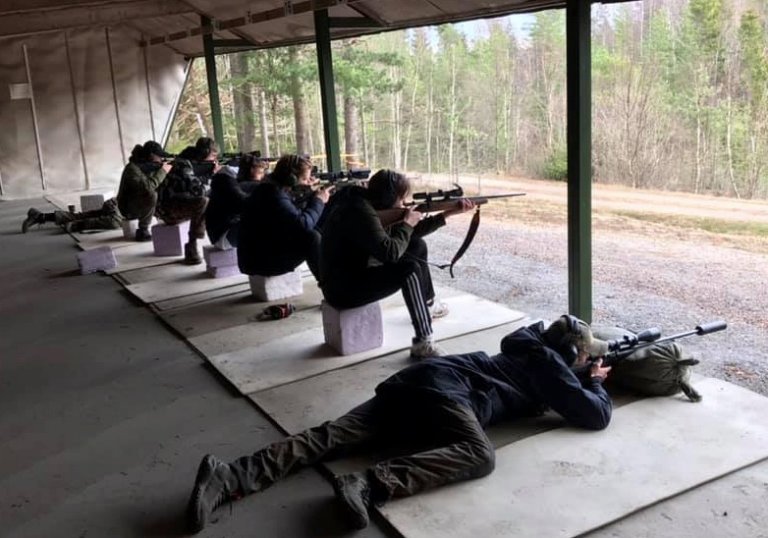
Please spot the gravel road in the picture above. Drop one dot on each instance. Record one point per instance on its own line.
(645, 275)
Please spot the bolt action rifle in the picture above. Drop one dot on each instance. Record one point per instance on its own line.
(438, 201)
(622, 348)
(649, 365)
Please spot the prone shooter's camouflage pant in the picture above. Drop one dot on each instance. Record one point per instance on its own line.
(106, 218)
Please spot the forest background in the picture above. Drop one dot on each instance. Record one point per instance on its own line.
(680, 98)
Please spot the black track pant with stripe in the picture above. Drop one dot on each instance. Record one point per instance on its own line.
(378, 282)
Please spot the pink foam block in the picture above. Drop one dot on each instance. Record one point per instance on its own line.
(215, 257)
(224, 271)
(96, 259)
(170, 240)
(91, 202)
(353, 330)
(274, 288)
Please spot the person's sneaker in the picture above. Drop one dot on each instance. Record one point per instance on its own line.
(422, 348)
(438, 309)
(354, 494)
(142, 234)
(191, 255)
(215, 484)
(33, 217)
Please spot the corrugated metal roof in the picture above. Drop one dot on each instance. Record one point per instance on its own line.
(262, 23)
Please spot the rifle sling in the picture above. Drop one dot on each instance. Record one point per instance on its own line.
(471, 232)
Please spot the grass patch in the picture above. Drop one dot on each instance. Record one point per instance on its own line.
(718, 226)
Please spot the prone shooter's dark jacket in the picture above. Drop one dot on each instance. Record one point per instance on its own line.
(274, 233)
(523, 380)
(226, 203)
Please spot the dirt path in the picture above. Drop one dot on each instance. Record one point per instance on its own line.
(616, 197)
(645, 274)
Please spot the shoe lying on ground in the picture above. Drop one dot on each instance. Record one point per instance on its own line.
(354, 495)
(215, 484)
(438, 309)
(33, 217)
(143, 235)
(191, 255)
(426, 347)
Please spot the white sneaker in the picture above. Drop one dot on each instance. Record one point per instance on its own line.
(438, 309)
(424, 348)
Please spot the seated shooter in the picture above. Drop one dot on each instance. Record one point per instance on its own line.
(440, 406)
(227, 200)
(275, 235)
(142, 176)
(353, 235)
(183, 195)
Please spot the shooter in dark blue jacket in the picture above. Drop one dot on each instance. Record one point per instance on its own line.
(440, 405)
(276, 236)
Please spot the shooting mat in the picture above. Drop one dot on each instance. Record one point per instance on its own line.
(264, 355)
(566, 482)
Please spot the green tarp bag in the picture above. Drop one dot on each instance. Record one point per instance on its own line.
(655, 370)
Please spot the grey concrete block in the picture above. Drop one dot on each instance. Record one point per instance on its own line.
(353, 330)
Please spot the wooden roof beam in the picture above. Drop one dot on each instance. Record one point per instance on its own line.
(289, 9)
(101, 15)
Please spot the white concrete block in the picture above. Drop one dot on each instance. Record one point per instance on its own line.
(353, 330)
(96, 259)
(91, 202)
(169, 240)
(273, 288)
(215, 257)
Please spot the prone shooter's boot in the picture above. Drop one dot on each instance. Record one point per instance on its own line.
(215, 484)
(34, 216)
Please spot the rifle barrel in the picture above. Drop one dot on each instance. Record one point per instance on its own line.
(494, 196)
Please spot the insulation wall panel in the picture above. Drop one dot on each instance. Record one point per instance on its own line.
(96, 95)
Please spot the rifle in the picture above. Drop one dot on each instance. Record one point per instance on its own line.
(233, 159)
(620, 349)
(430, 202)
(433, 202)
(345, 175)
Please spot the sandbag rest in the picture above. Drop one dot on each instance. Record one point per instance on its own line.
(353, 330)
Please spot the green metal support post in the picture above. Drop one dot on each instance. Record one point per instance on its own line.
(327, 90)
(579, 73)
(213, 83)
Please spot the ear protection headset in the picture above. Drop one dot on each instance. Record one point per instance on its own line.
(293, 162)
(389, 196)
(568, 343)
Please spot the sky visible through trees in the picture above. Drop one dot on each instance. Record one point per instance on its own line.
(680, 97)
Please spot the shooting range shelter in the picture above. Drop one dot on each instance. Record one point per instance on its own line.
(88, 79)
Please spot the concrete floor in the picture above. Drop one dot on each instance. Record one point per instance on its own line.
(105, 414)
